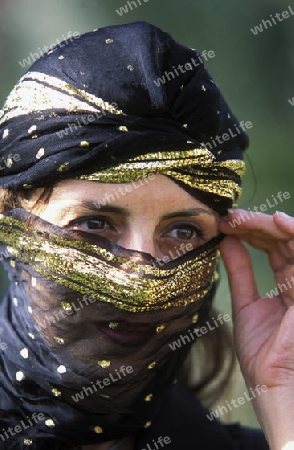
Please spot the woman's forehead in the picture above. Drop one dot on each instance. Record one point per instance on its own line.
(160, 191)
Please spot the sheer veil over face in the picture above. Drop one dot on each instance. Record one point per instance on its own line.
(123, 257)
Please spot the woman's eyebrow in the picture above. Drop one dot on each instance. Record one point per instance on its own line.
(93, 206)
(188, 213)
(96, 206)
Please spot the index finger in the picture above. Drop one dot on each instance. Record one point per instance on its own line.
(241, 278)
(240, 221)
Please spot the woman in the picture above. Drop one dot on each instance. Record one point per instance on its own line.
(113, 212)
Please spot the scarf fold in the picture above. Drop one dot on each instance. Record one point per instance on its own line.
(129, 280)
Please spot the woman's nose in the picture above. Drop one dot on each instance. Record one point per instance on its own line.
(139, 240)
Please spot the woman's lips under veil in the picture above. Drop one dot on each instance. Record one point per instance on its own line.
(129, 334)
(135, 331)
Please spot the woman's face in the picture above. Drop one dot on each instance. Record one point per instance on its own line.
(153, 215)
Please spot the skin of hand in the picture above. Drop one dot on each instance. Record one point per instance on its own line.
(263, 326)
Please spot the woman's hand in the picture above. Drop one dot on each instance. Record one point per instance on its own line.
(263, 326)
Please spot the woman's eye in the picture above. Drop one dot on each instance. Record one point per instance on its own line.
(92, 224)
(187, 233)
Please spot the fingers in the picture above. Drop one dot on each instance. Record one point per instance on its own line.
(285, 284)
(240, 221)
(271, 234)
(284, 222)
(240, 273)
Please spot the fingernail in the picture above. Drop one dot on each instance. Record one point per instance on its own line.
(283, 215)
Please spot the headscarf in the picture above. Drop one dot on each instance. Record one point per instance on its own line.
(92, 110)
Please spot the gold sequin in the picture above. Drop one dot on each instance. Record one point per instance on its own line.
(61, 369)
(185, 125)
(61, 57)
(98, 430)
(130, 67)
(113, 325)
(56, 392)
(148, 398)
(84, 144)
(27, 186)
(203, 88)
(24, 353)
(19, 375)
(104, 363)
(30, 309)
(31, 335)
(33, 281)
(123, 128)
(15, 301)
(216, 274)
(40, 153)
(59, 340)
(66, 306)
(104, 396)
(9, 162)
(12, 263)
(27, 441)
(63, 167)
(153, 364)
(33, 128)
(49, 423)
(147, 424)
(5, 133)
(195, 318)
(109, 41)
(160, 328)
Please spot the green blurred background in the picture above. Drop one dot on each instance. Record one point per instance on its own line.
(255, 73)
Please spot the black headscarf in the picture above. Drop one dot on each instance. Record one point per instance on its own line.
(87, 108)
(94, 103)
